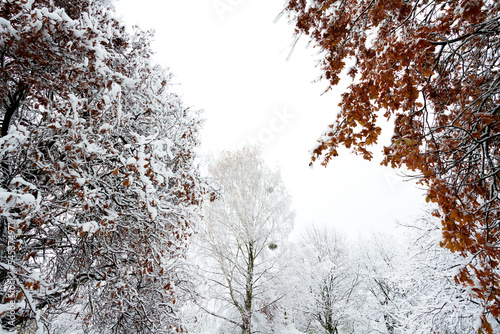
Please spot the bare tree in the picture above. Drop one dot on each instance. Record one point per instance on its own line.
(327, 282)
(241, 240)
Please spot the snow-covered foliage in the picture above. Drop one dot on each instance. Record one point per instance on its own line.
(325, 280)
(434, 301)
(379, 284)
(240, 246)
(98, 190)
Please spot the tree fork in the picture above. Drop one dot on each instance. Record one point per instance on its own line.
(12, 106)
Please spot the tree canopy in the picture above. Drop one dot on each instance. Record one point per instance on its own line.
(432, 67)
(99, 192)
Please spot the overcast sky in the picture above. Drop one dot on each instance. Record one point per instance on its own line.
(230, 59)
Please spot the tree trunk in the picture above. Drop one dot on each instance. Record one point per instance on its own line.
(247, 319)
(246, 328)
(11, 107)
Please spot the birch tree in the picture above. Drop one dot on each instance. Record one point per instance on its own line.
(241, 242)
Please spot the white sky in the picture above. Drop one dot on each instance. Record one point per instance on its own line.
(230, 60)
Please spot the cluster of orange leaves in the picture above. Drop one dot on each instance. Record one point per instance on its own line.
(432, 67)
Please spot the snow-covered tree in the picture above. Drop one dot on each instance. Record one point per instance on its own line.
(381, 259)
(409, 285)
(325, 282)
(434, 301)
(241, 242)
(98, 188)
(379, 284)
